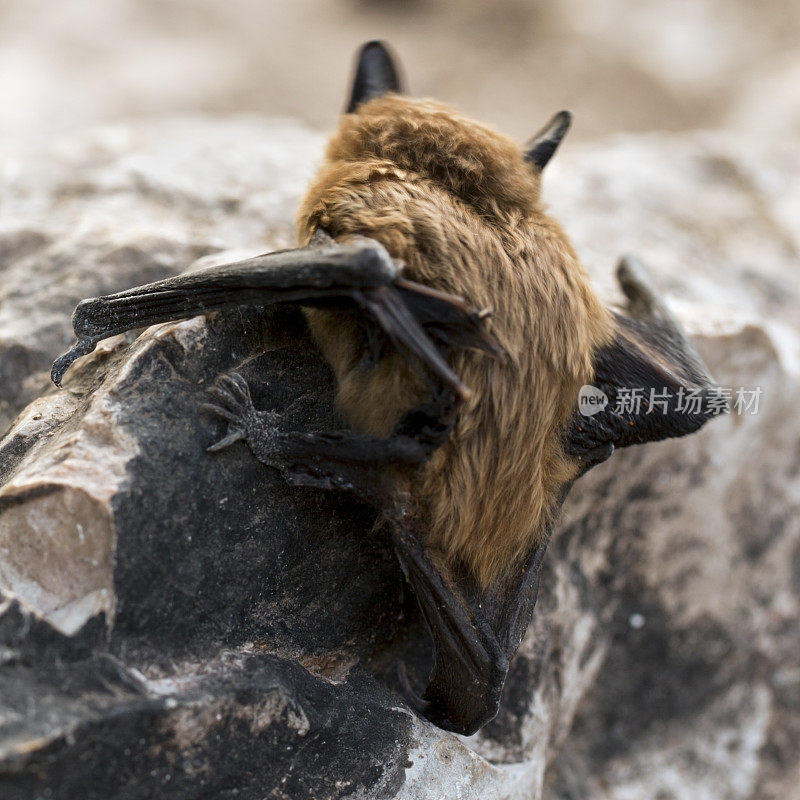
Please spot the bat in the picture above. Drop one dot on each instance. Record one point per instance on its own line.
(462, 330)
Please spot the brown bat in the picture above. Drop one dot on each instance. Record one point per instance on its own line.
(464, 429)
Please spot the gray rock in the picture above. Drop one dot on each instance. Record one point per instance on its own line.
(178, 624)
(699, 692)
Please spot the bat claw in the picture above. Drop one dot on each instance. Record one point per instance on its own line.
(81, 348)
(231, 393)
(235, 386)
(237, 380)
(234, 435)
(220, 411)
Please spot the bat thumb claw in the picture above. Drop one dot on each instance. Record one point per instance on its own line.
(62, 363)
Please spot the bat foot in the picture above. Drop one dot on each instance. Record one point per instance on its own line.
(332, 460)
(229, 398)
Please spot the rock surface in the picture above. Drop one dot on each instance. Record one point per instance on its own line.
(178, 624)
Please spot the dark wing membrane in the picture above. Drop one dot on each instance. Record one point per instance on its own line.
(649, 397)
(656, 383)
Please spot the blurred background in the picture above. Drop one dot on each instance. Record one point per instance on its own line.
(621, 66)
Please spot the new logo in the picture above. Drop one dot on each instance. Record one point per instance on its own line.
(591, 400)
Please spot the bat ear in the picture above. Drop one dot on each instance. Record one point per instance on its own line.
(541, 146)
(649, 382)
(376, 75)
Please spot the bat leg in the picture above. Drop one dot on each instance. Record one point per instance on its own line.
(340, 460)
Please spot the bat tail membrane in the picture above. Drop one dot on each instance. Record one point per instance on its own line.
(357, 275)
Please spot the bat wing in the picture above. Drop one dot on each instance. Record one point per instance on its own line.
(358, 275)
(475, 634)
(656, 384)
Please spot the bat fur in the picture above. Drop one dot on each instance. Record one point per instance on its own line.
(456, 202)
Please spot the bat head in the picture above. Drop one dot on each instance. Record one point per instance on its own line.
(432, 141)
(390, 149)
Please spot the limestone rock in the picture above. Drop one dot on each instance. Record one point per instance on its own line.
(180, 624)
